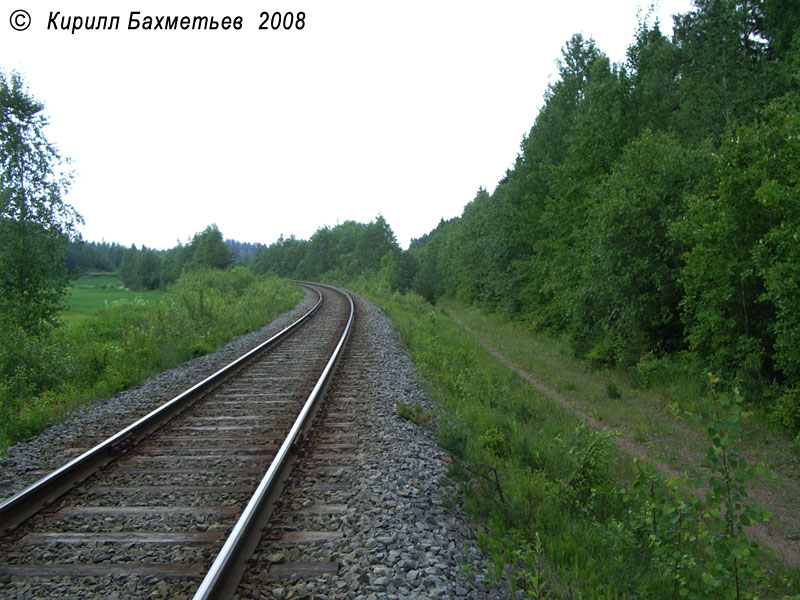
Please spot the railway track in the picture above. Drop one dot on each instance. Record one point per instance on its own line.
(179, 505)
(365, 514)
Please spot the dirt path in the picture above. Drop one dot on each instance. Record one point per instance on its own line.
(789, 550)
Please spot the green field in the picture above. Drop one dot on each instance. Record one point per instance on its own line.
(94, 291)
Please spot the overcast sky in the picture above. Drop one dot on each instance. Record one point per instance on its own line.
(402, 109)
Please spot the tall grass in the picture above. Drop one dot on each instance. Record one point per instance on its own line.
(561, 512)
(126, 341)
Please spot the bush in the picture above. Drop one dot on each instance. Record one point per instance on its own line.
(787, 408)
(29, 363)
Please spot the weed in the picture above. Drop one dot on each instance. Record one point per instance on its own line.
(495, 442)
(612, 390)
(697, 544)
(468, 572)
(589, 453)
(415, 413)
(528, 558)
(732, 557)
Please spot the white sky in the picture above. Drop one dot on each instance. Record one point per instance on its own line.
(396, 108)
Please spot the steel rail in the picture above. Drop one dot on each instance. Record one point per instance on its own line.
(26, 503)
(226, 572)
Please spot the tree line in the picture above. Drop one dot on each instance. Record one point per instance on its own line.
(149, 269)
(654, 206)
(344, 252)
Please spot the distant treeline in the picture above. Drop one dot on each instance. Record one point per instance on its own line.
(654, 206)
(343, 253)
(147, 269)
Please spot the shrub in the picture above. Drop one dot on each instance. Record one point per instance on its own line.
(612, 390)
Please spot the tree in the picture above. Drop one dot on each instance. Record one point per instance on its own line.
(653, 68)
(281, 258)
(398, 269)
(724, 75)
(741, 275)
(433, 254)
(35, 222)
(318, 258)
(555, 190)
(631, 290)
(209, 251)
(482, 256)
(376, 239)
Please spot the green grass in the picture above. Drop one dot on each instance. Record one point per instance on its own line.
(645, 405)
(98, 279)
(559, 509)
(83, 301)
(95, 291)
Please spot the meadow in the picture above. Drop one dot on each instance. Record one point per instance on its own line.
(96, 290)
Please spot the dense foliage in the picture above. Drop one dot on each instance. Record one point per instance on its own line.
(147, 269)
(83, 256)
(346, 251)
(653, 206)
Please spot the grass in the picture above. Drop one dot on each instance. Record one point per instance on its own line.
(104, 348)
(94, 291)
(98, 279)
(561, 511)
(646, 405)
(414, 413)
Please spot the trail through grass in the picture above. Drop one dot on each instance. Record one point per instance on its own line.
(648, 421)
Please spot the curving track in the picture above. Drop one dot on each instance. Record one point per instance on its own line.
(165, 507)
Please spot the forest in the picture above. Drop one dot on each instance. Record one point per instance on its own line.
(653, 209)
